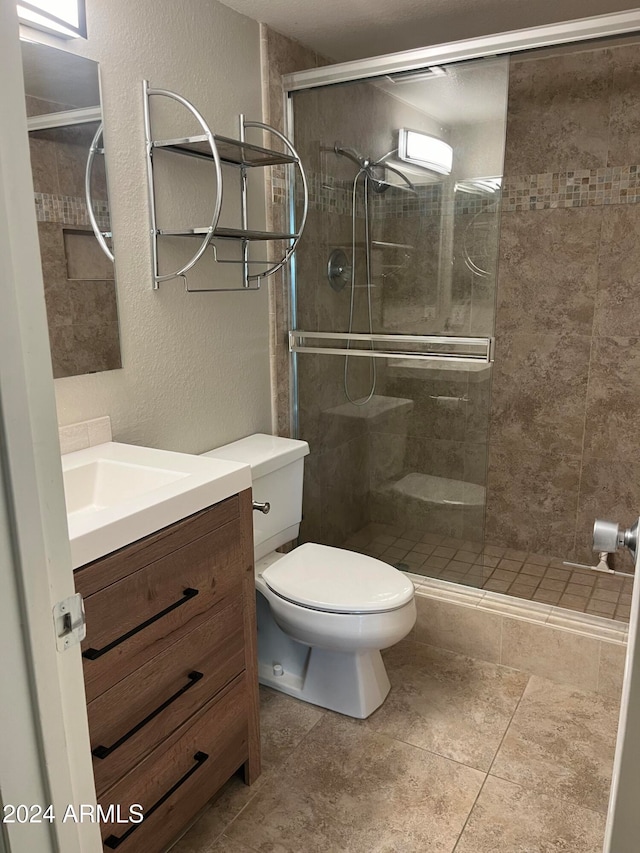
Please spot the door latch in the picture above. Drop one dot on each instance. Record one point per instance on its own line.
(69, 622)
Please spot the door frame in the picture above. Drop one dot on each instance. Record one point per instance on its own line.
(45, 756)
(44, 740)
(549, 35)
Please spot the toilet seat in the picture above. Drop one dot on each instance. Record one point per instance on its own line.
(333, 580)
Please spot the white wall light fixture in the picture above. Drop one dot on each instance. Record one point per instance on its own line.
(424, 150)
(62, 18)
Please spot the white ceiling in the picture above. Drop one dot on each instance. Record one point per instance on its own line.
(355, 29)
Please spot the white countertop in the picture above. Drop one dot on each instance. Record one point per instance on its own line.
(119, 493)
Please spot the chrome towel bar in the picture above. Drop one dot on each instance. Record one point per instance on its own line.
(433, 347)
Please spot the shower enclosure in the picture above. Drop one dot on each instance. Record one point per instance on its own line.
(393, 305)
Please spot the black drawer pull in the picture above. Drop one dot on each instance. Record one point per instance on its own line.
(104, 751)
(93, 654)
(114, 841)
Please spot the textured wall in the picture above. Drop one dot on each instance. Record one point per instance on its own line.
(564, 427)
(195, 366)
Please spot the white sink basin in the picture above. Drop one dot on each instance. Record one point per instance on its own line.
(118, 493)
(104, 482)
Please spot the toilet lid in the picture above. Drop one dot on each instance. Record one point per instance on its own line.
(325, 578)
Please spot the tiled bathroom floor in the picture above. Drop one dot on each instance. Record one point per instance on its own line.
(529, 576)
(464, 757)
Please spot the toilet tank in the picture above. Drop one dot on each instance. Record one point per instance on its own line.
(277, 469)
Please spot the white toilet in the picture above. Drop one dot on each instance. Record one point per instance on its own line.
(324, 613)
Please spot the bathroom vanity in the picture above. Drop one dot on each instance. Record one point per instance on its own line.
(170, 671)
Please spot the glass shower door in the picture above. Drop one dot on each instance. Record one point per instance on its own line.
(394, 295)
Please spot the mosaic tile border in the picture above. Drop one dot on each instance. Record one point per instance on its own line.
(70, 210)
(329, 195)
(577, 188)
(544, 191)
(464, 204)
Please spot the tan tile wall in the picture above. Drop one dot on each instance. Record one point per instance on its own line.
(564, 426)
(336, 478)
(82, 313)
(337, 472)
(569, 648)
(279, 55)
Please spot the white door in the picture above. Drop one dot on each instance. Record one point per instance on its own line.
(44, 742)
(623, 820)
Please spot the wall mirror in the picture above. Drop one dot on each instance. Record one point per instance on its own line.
(64, 116)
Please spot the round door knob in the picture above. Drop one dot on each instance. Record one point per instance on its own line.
(606, 536)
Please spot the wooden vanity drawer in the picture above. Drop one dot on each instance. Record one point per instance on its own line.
(176, 780)
(129, 720)
(93, 577)
(136, 618)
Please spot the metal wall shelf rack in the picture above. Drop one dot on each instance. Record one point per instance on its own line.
(222, 151)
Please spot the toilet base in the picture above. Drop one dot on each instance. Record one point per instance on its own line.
(354, 683)
(351, 681)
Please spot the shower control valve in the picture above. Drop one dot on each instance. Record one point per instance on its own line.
(607, 536)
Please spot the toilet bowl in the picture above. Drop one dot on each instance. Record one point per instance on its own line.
(324, 614)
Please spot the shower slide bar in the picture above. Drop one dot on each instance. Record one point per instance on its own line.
(431, 347)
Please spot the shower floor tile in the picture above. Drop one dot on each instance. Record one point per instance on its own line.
(534, 577)
(465, 756)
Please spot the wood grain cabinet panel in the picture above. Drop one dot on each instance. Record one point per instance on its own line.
(171, 672)
(134, 619)
(190, 766)
(130, 719)
(119, 564)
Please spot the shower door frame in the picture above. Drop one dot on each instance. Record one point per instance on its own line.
(622, 821)
(499, 44)
(550, 35)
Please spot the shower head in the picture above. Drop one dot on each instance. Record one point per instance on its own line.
(375, 171)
